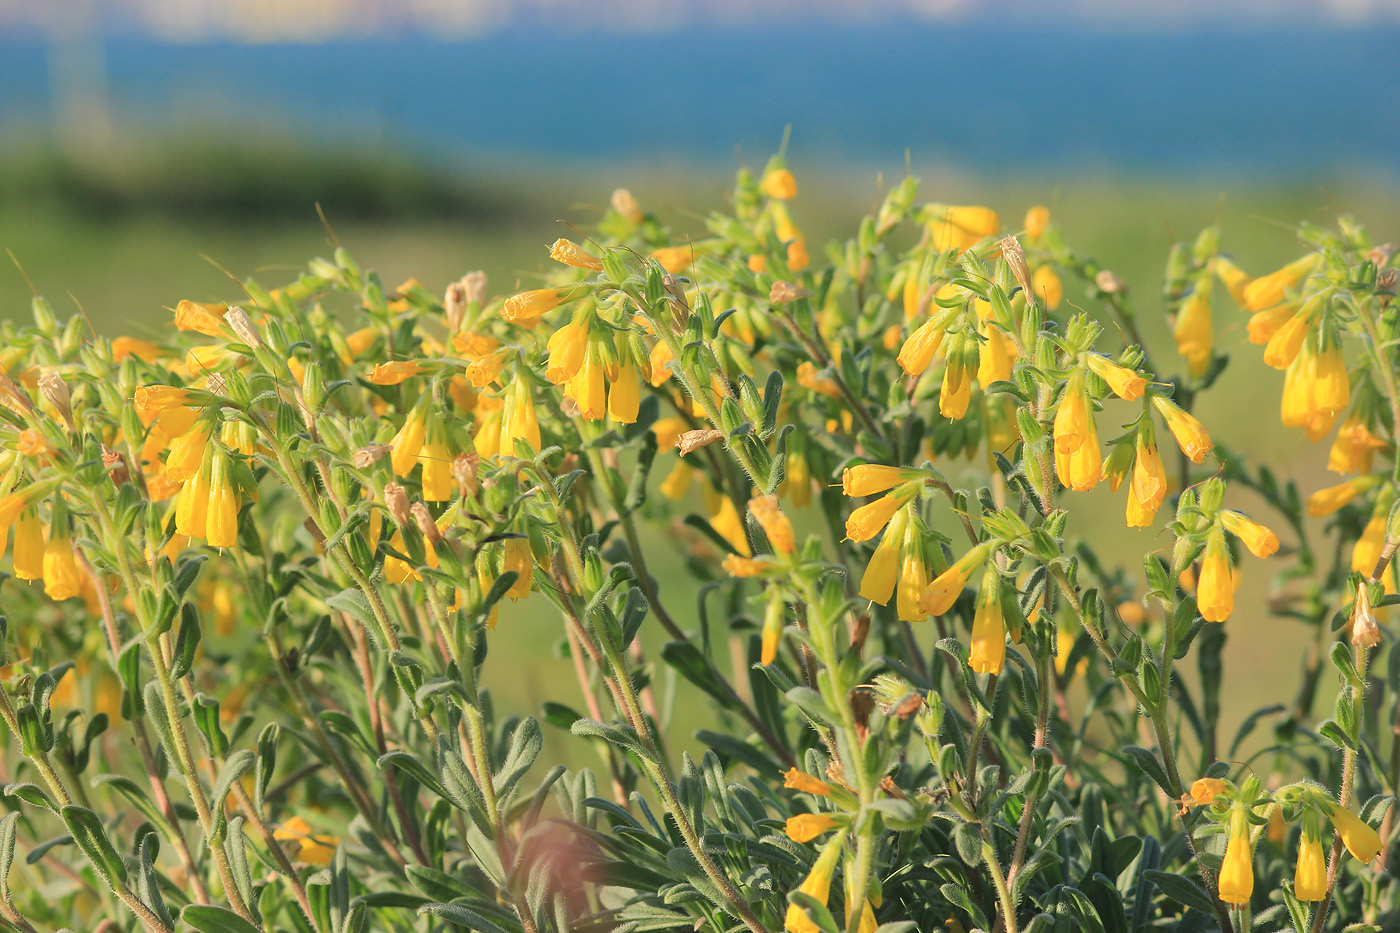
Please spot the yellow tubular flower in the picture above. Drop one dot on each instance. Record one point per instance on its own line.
(772, 634)
(817, 885)
(776, 527)
(145, 350)
(987, 653)
(192, 508)
(1047, 287)
(1149, 484)
(1268, 290)
(486, 369)
(1363, 842)
(571, 254)
(1195, 330)
(625, 394)
(921, 346)
(61, 577)
(1326, 501)
(518, 558)
(1205, 790)
(913, 580)
(161, 398)
(207, 319)
(1261, 541)
(186, 454)
(994, 360)
(1235, 278)
(866, 521)
(940, 595)
(1283, 347)
(393, 372)
(1125, 383)
(531, 305)
(1310, 876)
(1215, 594)
(568, 347)
(957, 382)
(1237, 870)
(519, 421)
(797, 257)
(587, 387)
(310, 848)
(1037, 219)
(29, 546)
(1368, 548)
(221, 518)
(1080, 469)
(1190, 434)
(1332, 389)
(677, 482)
(1264, 325)
(1296, 401)
(780, 184)
(1072, 417)
(962, 227)
(746, 567)
(881, 575)
(724, 518)
(436, 459)
(408, 442)
(1355, 447)
(868, 479)
(794, 779)
(807, 826)
(675, 259)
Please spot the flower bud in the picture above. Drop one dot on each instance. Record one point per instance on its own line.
(423, 518)
(243, 326)
(370, 454)
(1015, 255)
(1364, 631)
(694, 440)
(464, 471)
(396, 501)
(55, 391)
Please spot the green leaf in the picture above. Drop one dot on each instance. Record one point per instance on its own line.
(464, 916)
(1181, 889)
(91, 837)
(7, 851)
(208, 918)
(1149, 765)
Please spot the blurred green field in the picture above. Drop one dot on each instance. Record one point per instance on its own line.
(125, 238)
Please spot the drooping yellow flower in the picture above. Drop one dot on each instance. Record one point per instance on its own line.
(1080, 468)
(207, 319)
(881, 575)
(776, 527)
(1326, 501)
(1310, 875)
(1195, 329)
(186, 454)
(1072, 417)
(807, 826)
(810, 377)
(1286, 342)
(145, 350)
(1205, 790)
(1236, 279)
(1047, 286)
(408, 442)
(724, 519)
(1331, 388)
(29, 545)
(516, 556)
(393, 372)
(161, 398)
(571, 254)
(987, 652)
(192, 508)
(677, 482)
(1190, 434)
(1363, 842)
(913, 580)
(61, 577)
(1149, 483)
(1366, 553)
(221, 520)
(780, 184)
(1037, 219)
(1124, 382)
(1261, 541)
(1237, 870)
(674, 259)
(794, 779)
(817, 885)
(1296, 401)
(309, 847)
(1264, 325)
(1215, 593)
(869, 479)
(588, 388)
(865, 522)
(519, 421)
(1355, 447)
(961, 227)
(1268, 290)
(940, 595)
(961, 366)
(435, 456)
(531, 305)
(921, 346)
(747, 567)
(625, 393)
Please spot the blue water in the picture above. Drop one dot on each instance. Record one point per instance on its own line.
(983, 96)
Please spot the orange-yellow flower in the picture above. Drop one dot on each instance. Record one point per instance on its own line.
(1215, 593)
(940, 595)
(674, 258)
(1326, 501)
(921, 346)
(1310, 874)
(1264, 325)
(1237, 870)
(161, 398)
(1125, 383)
(61, 577)
(1205, 790)
(737, 566)
(1261, 541)
(310, 848)
(866, 521)
(1190, 434)
(29, 546)
(1268, 290)
(1047, 286)
(817, 885)
(571, 254)
(1195, 330)
(962, 227)
(1037, 219)
(780, 184)
(145, 350)
(1363, 842)
(393, 372)
(207, 319)
(1235, 278)
(987, 652)
(528, 306)
(882, 573)
(776, 527)
(794, 779)
(807, 826)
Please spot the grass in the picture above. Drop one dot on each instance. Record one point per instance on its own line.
(131, 237)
